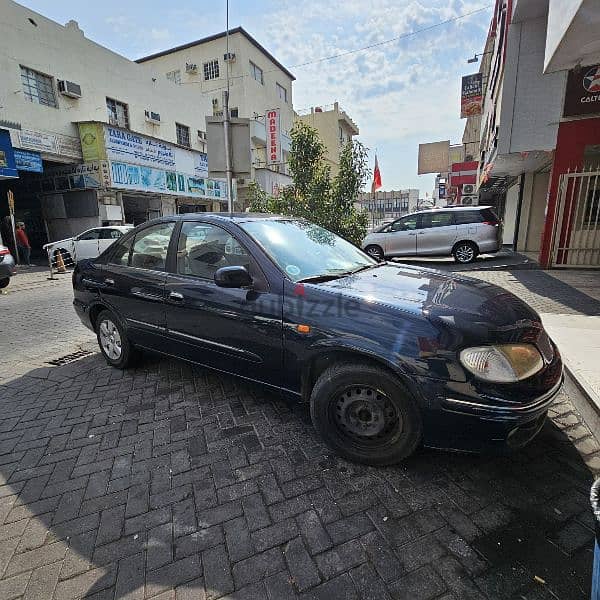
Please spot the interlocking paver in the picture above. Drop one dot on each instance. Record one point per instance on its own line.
(172, 482)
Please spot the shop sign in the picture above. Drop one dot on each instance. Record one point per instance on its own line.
(133, 148)
(201, 163)
(92, 175)
(46, 142)
(92, 141)
(150, 179)
(28, 161)
(273, 137)
(7, 156)
(582, 96)
(471, 96)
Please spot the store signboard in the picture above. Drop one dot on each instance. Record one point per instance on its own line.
(471, 96)
(92, 175)
(28, 161)
(133, 148)
(46, 142)
(8, 167)
(582, 96)
(273, 136)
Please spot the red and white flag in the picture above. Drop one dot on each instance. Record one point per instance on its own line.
(376, 177)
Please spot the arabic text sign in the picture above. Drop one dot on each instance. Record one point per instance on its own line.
(137, 149)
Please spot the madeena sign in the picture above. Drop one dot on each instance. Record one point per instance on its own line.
(273, 136)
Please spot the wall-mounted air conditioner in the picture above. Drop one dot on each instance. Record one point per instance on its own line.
(191, 68)
(468, 189)
(201, 135)
(152, 117)
(68, 88)
(229, 57)
(470, 200)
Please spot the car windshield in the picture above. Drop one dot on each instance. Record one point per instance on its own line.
(306, 251)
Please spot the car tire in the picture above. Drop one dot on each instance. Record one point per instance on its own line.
(365, 414)
(113, 341)
(465, 252)
(376, 252)
(4, 282)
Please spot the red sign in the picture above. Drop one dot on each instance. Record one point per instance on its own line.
(273, 137)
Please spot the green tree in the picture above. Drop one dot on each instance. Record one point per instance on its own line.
(313, 194)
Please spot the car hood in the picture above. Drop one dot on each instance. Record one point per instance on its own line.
(71, 239)
(437, 296)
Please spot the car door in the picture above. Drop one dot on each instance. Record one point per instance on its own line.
(133, 283)
(107, 237)
(86, 244)
(401, 240)
(436, 234)
(232, 329)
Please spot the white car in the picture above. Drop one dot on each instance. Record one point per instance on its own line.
(89, 244)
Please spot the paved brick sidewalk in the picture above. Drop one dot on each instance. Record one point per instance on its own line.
(176, 483)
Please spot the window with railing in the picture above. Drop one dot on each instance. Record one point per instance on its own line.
(183, 134)
(118, 113)
(211, 69)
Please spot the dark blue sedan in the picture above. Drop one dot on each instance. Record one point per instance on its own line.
(389, 356)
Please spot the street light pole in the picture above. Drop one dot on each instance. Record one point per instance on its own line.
(227, 123)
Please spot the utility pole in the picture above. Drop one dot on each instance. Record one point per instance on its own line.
(226, 122)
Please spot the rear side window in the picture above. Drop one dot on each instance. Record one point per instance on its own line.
(150, 247)
(463, 217)
(436, 219)
(110, 234)
(489, 215)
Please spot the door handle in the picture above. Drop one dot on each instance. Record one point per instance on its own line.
(420, 233)
(176, 298)
(412, 234)
(109, 281)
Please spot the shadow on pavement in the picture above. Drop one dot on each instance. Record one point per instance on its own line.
(172, 477)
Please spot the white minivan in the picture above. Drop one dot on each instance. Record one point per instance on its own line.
(462, 232)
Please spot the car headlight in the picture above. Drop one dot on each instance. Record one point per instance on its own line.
(502, 363)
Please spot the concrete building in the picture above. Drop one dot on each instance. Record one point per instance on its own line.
(335, 127)
(540, 129)
(387, 206)
(143, 151)
(258, 83)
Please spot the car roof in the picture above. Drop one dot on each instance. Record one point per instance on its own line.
(235, 217)
(445, 209)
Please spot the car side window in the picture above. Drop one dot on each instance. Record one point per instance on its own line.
(436, 219)
(92, 234)
(465, 217)
(404, 224)
(150, 247)
(203, 248)
(110, 234)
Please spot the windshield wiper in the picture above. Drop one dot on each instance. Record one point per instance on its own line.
(339, 274)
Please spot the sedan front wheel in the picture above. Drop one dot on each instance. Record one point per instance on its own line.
(365, 414)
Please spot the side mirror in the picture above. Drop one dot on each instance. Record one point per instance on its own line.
(233, 277)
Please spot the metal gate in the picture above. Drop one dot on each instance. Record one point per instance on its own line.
(576, 231)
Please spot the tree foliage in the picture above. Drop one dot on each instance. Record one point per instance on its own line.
(314, 194)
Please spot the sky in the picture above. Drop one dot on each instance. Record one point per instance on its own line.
(400, 94)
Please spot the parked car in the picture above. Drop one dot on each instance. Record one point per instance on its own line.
(88, 244)
(7, 266)
(463, 233)
(388, 355)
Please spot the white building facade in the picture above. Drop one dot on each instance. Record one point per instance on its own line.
(93, 138)
(258, 82)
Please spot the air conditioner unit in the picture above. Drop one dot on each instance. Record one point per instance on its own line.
(152, 117)
(470, 200)
(229, 57)
(191, 68)
(201, 134)
(468, 189)
(70, 89)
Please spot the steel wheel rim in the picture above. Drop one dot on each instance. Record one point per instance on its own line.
(110, 339)
(366, 417)
(465, 253)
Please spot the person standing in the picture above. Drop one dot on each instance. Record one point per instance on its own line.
(23, 245)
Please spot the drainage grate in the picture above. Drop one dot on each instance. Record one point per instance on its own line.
(69, 358)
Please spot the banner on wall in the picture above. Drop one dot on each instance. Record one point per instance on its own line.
(8, 168)
(471, 96)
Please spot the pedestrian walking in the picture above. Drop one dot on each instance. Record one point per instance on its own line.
(23, 245)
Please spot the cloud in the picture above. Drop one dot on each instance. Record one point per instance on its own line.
(398, 93)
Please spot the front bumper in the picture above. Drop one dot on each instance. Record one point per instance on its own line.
(8, 267)
(456, 423)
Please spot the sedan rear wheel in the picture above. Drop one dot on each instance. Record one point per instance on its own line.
(113, 341)
(4, 282)
(365, 414)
